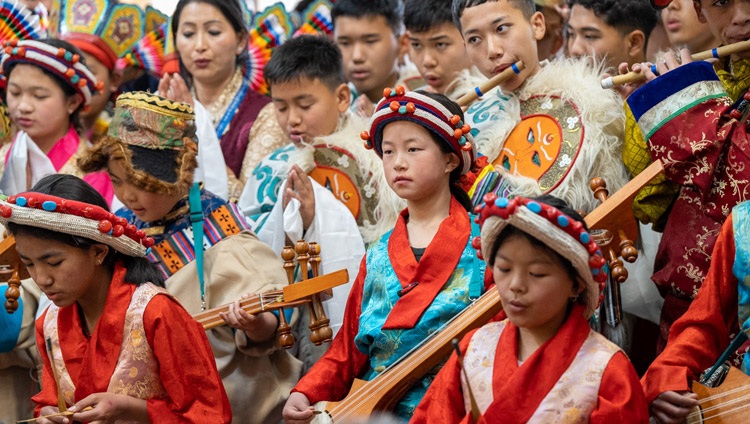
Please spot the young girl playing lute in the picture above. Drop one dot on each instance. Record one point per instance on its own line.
(98, 340)
(542, 364)
(417, 276)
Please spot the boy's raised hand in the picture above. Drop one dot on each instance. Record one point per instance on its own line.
(299, 187)
(673, 407)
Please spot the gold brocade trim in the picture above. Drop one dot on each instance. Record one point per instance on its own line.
(141, 100)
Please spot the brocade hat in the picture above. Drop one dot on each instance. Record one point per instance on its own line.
(554, 229)
(75, 218)
(399, 105)
(153, 138)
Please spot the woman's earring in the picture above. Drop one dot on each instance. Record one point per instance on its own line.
(574, 298)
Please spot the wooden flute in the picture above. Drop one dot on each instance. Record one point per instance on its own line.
(715, 53)
(491, 83)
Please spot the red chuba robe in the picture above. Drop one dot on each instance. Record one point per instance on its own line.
(521, 393)
(185, 364)
(685, 115)
(701, 335)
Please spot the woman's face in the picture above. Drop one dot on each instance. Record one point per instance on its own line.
(38, 106)
(66, 274)
(207, 43)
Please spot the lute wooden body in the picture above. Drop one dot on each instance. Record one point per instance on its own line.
(729, 403)
(382, 393)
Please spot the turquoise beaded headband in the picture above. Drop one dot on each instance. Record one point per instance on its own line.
(549, 225)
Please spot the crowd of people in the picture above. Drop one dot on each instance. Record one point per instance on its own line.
(155, 167)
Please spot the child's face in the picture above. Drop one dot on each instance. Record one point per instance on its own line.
(307, 108)
(589, 35)
(728, 20)
(414, 165)
(147, 206)
(370, 52)
(534, 286)
(497, 35)
(38, 106)
(63, 272)
(110, 83)
(439, 54)
(683, 27)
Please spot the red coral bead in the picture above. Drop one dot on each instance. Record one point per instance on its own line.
(105, 226)
(118, 230)
(400, 90)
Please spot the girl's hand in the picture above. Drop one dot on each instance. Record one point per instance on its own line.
(49, 410)
(258, 328)
(108, 408)
(299, 187)
(673, 407)
(297, 409)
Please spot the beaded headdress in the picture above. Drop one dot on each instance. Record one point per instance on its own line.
(153, 138)
(64, 64)
(75, 218)
(554, 229)
(399, 105)
(102, 28)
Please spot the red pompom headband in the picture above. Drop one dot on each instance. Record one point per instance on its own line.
(66, 65)
(556, 230)
(399, 105)
(75, 218)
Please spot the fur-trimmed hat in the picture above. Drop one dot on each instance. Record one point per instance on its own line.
(154, 140)
(399, 105)
(554, 229)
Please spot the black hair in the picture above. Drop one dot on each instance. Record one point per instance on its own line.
(623, 15)
(306, 56)
(138, 270)
(64, 85)
(391, 10)
(510, 231)
(455, 177)
(232, 11)
(527, 7)
(424, 15)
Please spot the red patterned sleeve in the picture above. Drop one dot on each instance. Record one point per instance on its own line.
(331, 378)
(698, 338)
(187, 367)
(444, 399)
(621, 398)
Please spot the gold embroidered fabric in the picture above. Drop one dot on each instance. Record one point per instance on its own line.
(136, 373)
(651, 203)
(735, 76)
